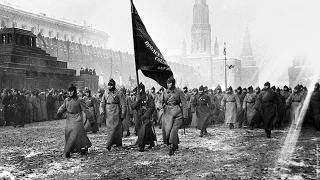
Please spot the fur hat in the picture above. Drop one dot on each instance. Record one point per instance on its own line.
(111, 82)
(267, 84)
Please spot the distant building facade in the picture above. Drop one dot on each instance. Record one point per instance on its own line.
(11, 16)
(303, 72)
(210, 68)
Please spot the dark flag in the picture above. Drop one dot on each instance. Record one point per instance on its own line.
(148, 57)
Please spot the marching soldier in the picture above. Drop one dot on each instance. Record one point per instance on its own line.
(230, 103)
(269, 101)
(248, 106)
(241, 114)
(129, 114)
(145, 107)
(203, 110)
(295, 102)
(113, 106)
(75, 136)
(173, 114)
(286, 110)
(18, 109)
(315, 106)
(154, 114)
(93, 108)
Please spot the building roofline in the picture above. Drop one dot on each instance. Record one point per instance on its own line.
(40, 16)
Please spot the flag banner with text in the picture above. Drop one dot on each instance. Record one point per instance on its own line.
(148, 57)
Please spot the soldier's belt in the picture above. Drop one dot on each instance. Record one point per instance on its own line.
(171, 104)
(72, 112)
(268, 101)
(112, 103)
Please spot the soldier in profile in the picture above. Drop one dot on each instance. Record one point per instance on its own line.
(75, 136)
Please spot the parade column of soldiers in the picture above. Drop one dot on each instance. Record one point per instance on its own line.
(170, 108)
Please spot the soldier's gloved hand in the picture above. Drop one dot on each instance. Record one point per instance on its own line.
(59, 115)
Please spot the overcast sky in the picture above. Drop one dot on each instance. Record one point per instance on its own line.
(279, 29)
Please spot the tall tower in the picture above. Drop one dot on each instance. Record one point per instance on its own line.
(201, 29)
(216, 48)
(246, 57)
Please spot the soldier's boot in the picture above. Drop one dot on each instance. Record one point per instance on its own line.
(151, 145)
(84, 151)
(231, 126)
(171, 151)
(68, 155)
(175, 147)
(109, 147)
(141, 148)
(268, 133)
(205, 132)
(201, 133)
(251, 126)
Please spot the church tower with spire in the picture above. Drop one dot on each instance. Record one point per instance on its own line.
(249, 69)
(201, 29)
(246, 57)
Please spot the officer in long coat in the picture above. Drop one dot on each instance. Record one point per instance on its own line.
(18, 109)
(248, 106)
(76, 139)
(230, 103)
(203, 110)
(145, 107)
(240, 111)
(93, 108)
(175, 108)
(269, 101)
(315, 106)
(8, 109)
(113, 106)
(129, 114)
(295, 102)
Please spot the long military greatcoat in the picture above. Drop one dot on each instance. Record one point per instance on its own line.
(315, 107)
(269, 101)
(172, 115)
(75, 136)
(248, 106)
(231, 103)
(93, 107)
(114, 107)
(145, 111)
(295, 101)
(203, 110)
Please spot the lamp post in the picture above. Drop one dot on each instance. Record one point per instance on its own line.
(225, 64)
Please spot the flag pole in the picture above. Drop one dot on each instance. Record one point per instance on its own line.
(136, 57)
(135, 48)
